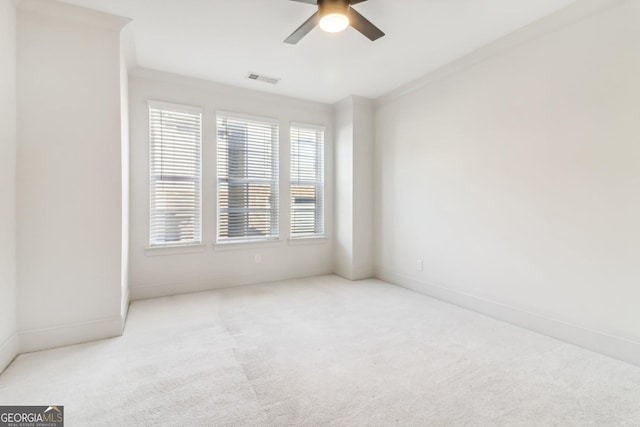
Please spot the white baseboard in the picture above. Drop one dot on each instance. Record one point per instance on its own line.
(155, 290)
(75, 333)
(9, 349)
(600, 342)
(126, 301)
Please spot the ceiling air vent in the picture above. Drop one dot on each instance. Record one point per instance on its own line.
(263, 78)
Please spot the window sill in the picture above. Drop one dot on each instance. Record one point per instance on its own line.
(247, 244)
(310, 240)
(175, 250)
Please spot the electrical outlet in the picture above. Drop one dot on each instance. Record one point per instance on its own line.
(419, 265)
(258, 258)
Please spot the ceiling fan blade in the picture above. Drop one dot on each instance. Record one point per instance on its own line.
(312, 1)
(304, 29)
(363, 25)
(353, 1)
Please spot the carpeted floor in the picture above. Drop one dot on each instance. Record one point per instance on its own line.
(323, 352)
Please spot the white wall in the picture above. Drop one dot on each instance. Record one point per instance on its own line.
(170, 271)
(517, 181)
(354, 188)
(8, 339)
(344, 188)
(124, 137)
(69, 175)
(363, 142)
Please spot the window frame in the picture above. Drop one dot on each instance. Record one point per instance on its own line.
(321, 182)
(188, 109)
(249, 241)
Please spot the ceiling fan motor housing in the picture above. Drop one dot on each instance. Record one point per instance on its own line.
(327, 7)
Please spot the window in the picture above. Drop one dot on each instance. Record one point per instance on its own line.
(307, 181)
(174, 166)
(247, 179)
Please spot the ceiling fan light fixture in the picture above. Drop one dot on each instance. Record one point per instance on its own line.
(334, 22)
(333, 16)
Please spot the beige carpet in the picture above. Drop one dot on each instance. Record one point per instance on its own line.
(323, 352)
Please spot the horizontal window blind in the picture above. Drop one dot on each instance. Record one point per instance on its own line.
(307, 181)
(175, 134)
(247, 179)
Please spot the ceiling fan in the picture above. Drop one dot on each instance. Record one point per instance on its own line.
(334, 16)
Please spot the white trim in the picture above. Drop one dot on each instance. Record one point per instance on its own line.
(563, 18)
(163, 105)
(362, 101)
(600, 342)
(126, 302)
(74, 13)
(249, 95)
(248, 117)
(162, 289)
(9, 349)
(308, 240)
(70, 334)
(246, 244)
(175, 250)
(305, 125)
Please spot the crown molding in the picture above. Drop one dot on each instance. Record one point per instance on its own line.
(60, 10)
(238, 91)
(570, 15)
(362, 101)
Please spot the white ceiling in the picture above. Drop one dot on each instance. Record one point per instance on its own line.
(224, 40)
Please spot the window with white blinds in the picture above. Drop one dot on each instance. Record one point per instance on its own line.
(175, 135)
(247, 179)
(307, 181)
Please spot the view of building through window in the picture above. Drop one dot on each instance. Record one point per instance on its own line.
(247, 179)
(307, 181)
